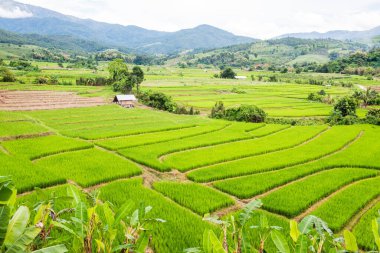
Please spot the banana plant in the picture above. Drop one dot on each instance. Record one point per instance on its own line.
(312, 234)
(18, 230)
(234, 237)
(101, 227)
(376, 230)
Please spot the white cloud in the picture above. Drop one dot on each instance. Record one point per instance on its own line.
(256, 18)
(14, 13)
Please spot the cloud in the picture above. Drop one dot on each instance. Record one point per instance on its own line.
(255, 18)
(14, 13)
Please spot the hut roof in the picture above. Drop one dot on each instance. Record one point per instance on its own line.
(119, 98)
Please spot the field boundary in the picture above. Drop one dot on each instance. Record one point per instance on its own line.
(327, 198)
(261, 153)
(356, 218)
(25, 136)
(162, 157)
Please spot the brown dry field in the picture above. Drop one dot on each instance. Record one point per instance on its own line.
(44, 100)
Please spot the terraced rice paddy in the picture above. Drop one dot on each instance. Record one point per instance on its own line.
(278, 100)
(187, 166)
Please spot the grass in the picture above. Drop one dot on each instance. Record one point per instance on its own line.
(149, 154)
(339, 209)
(314, 149)
(198, 198)
(89, 167)
(187, 160)
(44, 146)
(156, 137)
(16, 129)
(292, 199)
(351, 156)
(26, 175)
(363, 229)
(183, 229)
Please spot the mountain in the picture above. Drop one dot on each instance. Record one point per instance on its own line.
(364, 36)
(66, 43)
(28, 19)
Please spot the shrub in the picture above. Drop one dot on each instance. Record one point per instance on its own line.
(373, 116)
(247, 113)
(6, 75)
(228, 73)
(157, 100)
(346, 106)
(315, 97)
(218, 111)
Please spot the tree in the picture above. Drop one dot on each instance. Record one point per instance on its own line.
(228, 73)
(122, 79)
(346, 106)
(118, 70)
(138, 77)
(7, 75)
(365, 96)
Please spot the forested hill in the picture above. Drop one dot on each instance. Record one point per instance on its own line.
(286, 51)
(67, 43)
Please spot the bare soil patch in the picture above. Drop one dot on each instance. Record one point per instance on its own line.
(44, 100)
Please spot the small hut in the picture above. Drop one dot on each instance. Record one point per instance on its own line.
(127, 101)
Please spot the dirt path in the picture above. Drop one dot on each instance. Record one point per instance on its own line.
(25, 136)
(355, 220)
(44, 100)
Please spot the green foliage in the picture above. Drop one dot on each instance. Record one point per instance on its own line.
(245, 113)
(6, 75)
(344, 107)
(19, 231)
(373, 116)
(157, 100)
(105, 228)
(123, 80)
(228, 73)
(218, 111)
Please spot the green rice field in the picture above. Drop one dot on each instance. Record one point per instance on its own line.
(188, 166)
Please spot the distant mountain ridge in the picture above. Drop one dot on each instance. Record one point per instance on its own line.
(367, 35)
(28, 19)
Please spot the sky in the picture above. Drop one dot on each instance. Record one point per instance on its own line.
(255, 18)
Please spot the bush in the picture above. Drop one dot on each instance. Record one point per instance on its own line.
(228, 73)
(157, 100)
(98, 81)
(373, 116)
(247, 113)
(315, 97)
(6, 75)
(218, 111)
(346, 106)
